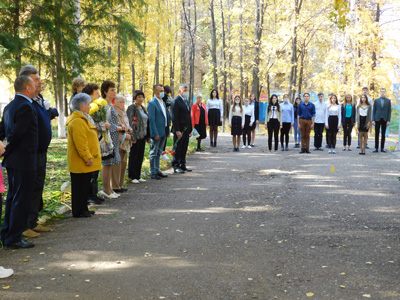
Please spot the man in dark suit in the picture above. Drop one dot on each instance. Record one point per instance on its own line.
(182, 128)
(44, 116)
(381, 115)
(20, 127)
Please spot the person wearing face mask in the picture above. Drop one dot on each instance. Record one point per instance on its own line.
(248, 122)
(236, 122)
(273, 121)
(199, 120)
(287, 121)
(182, 128)
(320, 116)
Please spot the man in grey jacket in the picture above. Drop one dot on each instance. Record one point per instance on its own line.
(381, 118)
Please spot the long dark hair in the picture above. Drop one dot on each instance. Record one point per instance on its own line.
(366, 100)
(234, 104)
(295, 105)
(271, 104)
(211, 94)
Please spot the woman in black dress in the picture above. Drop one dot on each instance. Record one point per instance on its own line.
(199, 120)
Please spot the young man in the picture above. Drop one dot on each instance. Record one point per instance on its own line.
(320, 114)
(306, 120)
(381, 114)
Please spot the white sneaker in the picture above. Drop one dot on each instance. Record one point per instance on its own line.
(244, 146)
(165, 157)
(105, 195)
(330, 151)
(249, 147)
(142, 180)
(333, 151)
(4, 273)
(135, 181)
(115, 195)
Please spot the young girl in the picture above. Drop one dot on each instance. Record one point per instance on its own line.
(333, 120)
(273, 121)
(363, 120)
(297, 132)
(199, 120)
(256, 105)
(236, 122)
(348, 117)
(248, 122)
(215, 109)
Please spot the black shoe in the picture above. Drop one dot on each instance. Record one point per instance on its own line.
(178, 170)
(383, 150)
(363, 153)
(316, 148)
(349, 149)
(367, 147)
(237, 150)
(162, 175)
(119, 190)
(21, 244)
(375, 151)
(344, 149)
(287, 148)
(201, 150)
(211, 144)
(215, 144)
(156, 177)
(94, 201)
(91, 212)
(358, 147)
(302, 151)
(85, 214)
(282, 148)
(185, 169)
(100, 199)
(234, 149)
(308, 151)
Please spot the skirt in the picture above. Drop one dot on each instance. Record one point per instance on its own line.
(236, 125)
(253, 127)
(363, 124)
(247, 126)
(214, 117)
(333, 122)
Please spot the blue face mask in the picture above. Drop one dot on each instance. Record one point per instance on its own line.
(162, 94)
(185, 95)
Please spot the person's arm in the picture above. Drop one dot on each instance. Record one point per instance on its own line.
(221, 109)
(390, 113)
(243, 118)
(252, 119)
(292, 115)
(373, 113)
(257, 111)
(176, 115)
(327, 117)
(230, 116)
(78, 132)
(152, 120)
(340, 119)
(192, 114)
(313, 112)
(2, 131)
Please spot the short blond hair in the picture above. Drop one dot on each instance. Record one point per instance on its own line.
(76, 83)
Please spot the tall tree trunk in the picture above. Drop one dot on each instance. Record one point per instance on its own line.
(224, 72)
(157, 64)
(241, 48)
(16, 27)
(118, 66)
(301, 72)
(76, 22)
(214, 44)
(133, 74)
(376, 49)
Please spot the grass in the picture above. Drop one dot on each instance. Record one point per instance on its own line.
(57, 173)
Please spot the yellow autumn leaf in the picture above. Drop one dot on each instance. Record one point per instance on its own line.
(310, 294)
(237, 225)
(6, 287)
(367, 296)
(342, 286)
(333, 169)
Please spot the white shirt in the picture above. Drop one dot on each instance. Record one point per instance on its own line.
(363, 111)
(161, 102)
(215, 104)
(320, 112)
(249, 111)
(273, 109)
(334, 110)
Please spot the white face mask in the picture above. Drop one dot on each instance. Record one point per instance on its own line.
(237, 101)
(185, 95)
(246, 104)
(286, 100)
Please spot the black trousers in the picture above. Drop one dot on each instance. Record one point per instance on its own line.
(37, 195)
(180, 146)
(80, 188)
(380, 125)
(347, 129)
(318, 134)
(136, 156)
(18, 204)
(273, 128)
(94, 186)
(285, 133)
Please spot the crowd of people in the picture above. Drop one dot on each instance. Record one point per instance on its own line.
(116, 144)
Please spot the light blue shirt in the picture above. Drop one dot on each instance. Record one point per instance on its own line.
(287, 113)
(27, 98)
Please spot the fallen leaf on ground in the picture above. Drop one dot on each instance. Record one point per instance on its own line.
(310, 294)
(342, 286)
(369, 263)
(237, 225)
(333, 169)
(38, 287)
(6, 287)
(367, 296)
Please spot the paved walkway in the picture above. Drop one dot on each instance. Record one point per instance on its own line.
(247, 225)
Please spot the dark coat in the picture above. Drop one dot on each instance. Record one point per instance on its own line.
(20, 128)
(353, 113)
(181, 118)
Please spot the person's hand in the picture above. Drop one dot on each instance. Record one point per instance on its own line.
(2, 148)
(148, 141)
(123, 128)
(266, 126)
(221, 119)
(257, 122)
(119, 128)
(373, 123)
(190, 135)
(242, 126)
(157, 137)
(89, 162)
(280, 127)
(230, 125)
(251, 124)
(327, 126)
(107, 125)
(128, 137)
(134, 141)
(179, 135)
(387, 123)
(312, 125)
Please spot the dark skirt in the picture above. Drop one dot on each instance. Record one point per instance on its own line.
(201, 127)
(214, 117)
(253, 127)
(363, 124)
(236, 125)
(247, 126)
(333, 122)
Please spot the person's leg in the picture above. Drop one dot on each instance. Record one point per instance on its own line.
(287, 131)
(377, 128)
(316, 135)
(211, 135)
(270, 131)
(176, 151)
(124, 161)
(215, 134)
(303, 133)
(185, 145)
(276, 134)
(161, 143)
(141, 145)
(334, 134)
(349, 136)
(132, 162)
(106, 177)
(365, 140)
(282, 135)
(249, 137)
(253, 137)
(79, 192)
(238, 141)
(115, 174)
(244, 137)
(383, 125)
(234, 141)
(37, 190)
(362, 142)
(307, 133)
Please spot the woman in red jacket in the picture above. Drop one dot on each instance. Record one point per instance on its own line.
(199, 120)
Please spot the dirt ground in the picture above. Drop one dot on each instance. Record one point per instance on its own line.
(247, 225)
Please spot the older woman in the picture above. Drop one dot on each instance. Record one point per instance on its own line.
(108, 93)
(118, 170)
(83, 153)
(139, 122)
(199, 120)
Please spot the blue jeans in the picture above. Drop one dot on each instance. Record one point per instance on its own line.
(156, 149)
(297, 132)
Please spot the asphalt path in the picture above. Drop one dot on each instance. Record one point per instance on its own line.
(247, 225)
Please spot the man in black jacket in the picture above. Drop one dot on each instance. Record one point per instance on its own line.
(182, 129)
(21, 130)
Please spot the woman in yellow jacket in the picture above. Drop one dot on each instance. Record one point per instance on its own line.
(83, 153)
